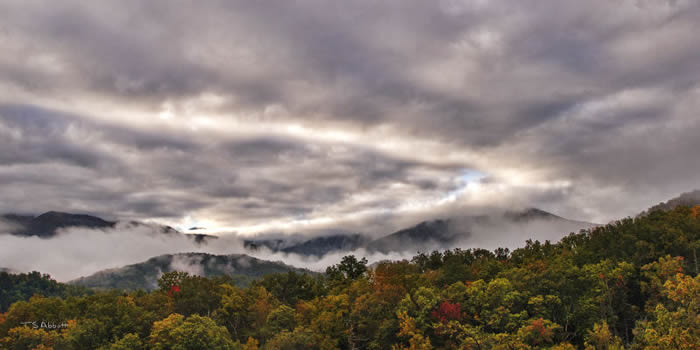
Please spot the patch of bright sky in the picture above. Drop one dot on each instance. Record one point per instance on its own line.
(463, 181)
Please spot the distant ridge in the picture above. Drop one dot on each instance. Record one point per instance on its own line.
(445, 233)
(437, 232)
(431, 234)
(320, 246)
(689, 199)
(317, 246)
(144, 275)
(46, 225)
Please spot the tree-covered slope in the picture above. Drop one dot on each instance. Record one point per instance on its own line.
(631, 284)
(22, 286)
(144, 275)
(688, 199)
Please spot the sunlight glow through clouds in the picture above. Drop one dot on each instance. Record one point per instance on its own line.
(330, 110)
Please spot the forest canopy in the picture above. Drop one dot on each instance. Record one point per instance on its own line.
(631, 284)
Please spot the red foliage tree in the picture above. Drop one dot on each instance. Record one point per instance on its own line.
(174, 289)
(448, 312)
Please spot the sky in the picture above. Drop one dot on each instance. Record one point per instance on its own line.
(244, 117)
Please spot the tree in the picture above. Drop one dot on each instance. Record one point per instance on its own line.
(496, 305)
(348, 269)
(600, 338)
(233, 312)
(251, 344)
(280, 319)
(193, 333)
(416, 339)
(419, 306)
(538, 332)
(130, 341)
(291, 287)
(196, 295)
(332, 317)
(21, 338)
(675, 322)
(21, 287)
(90, 334)
(655, 276)
(171, 279)
(300, 338)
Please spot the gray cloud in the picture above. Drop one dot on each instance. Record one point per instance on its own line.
(277, 115)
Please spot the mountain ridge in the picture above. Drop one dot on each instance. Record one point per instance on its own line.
(48, 224)
(437, 233)
(689, 199)
(144, 275)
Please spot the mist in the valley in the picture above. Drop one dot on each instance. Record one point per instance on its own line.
(77, 252)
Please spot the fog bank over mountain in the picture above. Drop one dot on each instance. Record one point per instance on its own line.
(77, 251)
(80, 251)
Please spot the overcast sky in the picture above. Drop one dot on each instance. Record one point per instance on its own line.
(249, 116)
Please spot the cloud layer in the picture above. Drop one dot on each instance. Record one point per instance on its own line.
(247, 116)
(79, 252)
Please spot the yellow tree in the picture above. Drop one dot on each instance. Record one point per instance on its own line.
(416, 339)
(675, 323)
(251, 344)
(600, 338)
(195, 332)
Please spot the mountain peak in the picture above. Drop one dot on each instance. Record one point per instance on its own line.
(47, 224)
(531, 213)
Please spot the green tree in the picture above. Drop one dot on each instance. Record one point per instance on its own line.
(291, 287)
(301, 339)
(171, 279)
(130, 341)
(197, 295)
(347, 270)
(280, 319)
(193, 333)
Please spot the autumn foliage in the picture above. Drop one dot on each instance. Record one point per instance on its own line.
(632, 284)
(447, 312)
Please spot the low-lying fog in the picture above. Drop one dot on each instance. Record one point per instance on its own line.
(77, 252)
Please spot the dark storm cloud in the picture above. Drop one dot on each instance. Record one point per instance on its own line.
(248, 112)
(23, 126)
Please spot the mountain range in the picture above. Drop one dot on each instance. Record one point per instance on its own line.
(317, 246)
(49, 224)
(426, 235)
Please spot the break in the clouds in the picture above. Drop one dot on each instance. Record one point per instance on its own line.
(248, 116)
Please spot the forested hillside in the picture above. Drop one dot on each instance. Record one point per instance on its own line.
(240, 268)
(632, 284)
(16, 287)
